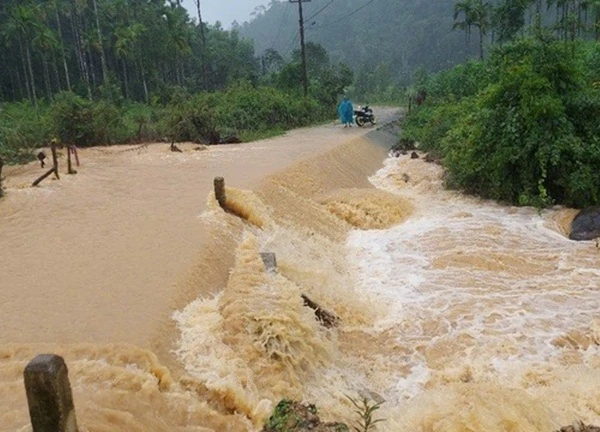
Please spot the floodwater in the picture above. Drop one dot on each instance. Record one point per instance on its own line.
(462, 314)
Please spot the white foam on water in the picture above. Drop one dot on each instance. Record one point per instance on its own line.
(470, 284)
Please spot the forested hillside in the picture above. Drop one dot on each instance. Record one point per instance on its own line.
(520, 126)
(392, 37)
(114, 71)
(140, 46)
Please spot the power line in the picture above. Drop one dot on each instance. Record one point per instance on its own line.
(291, 44)
(320, 10)
(283, 20)
(344, 17)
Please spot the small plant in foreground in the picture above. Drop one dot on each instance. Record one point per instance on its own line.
(365, 409)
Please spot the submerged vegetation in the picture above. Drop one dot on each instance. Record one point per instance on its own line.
(290, 416)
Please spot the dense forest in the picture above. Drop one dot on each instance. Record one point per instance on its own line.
(144, 46)
(386, 41)
(114, 71)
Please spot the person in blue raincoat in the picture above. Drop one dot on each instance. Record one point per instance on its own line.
(346, 112)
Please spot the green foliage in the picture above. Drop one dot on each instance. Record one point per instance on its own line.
(79, 121)
(280, 417)
(110, 49)
(365, 409)
(290, 416)
(191, 119)
(524, 131)
(22, 128)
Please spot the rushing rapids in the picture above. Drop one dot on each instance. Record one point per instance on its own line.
(462, 314)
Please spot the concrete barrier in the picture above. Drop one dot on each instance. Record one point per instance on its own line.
(49, 395)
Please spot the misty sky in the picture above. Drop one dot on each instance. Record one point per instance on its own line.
(225, 11)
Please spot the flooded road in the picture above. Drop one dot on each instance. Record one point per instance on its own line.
(461, 314)
(94, 257)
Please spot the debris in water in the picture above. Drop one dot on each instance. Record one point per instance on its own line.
(290, 416)
(579, 427)
(326, 318)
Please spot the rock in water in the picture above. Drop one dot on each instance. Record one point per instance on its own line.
(586, 225)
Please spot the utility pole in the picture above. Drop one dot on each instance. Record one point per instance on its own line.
(302, 47)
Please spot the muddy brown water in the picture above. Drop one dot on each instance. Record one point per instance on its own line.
(94, 257)
(463, 315)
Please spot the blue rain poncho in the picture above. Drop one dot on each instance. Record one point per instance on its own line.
(345, 111)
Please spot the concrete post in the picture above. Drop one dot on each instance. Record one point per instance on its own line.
(270, 261)
(49, 395)
(219, 184)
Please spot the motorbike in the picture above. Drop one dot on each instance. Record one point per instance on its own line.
(364, 115)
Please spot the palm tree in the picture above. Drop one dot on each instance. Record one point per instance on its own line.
(466, 9)
(100, 44)
(46, 43)
(125, 47)
(202, 42)
(56, 8)
(481, 19)
(22, 24)
(509, 18)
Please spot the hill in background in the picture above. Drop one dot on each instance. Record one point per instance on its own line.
(392, 37)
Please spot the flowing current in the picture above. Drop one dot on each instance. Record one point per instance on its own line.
(462, 314)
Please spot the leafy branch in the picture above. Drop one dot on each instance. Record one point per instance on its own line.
(365, 410)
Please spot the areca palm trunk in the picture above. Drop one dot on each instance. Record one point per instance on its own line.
(100, 44)
(143, 76)
(202, 44)
(480, 43)
(125, 78)
(80, 53)
(62, 47)
(47, 77)
(31, 76)
(55, 73)
(25, 74)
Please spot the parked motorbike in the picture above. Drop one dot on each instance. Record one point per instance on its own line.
(364, 115)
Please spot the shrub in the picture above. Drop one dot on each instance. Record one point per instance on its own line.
(525, 132)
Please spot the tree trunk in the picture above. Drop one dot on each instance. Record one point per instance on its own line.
(76, 28)
(125, 78)
(24, 64)
(102, 56)
(468, 41)
(90, 60)
(22, 93)
(480, 43)
(62, 47)
(144, 84)
(57, 82)
(47, 78)
(202, 44)
(31, 78)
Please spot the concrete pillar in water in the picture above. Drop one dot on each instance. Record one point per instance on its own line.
(49, 395)
(269, 260)
(219, 184)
